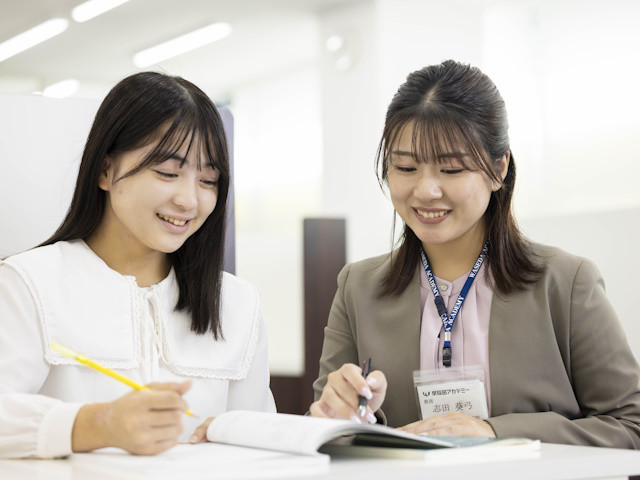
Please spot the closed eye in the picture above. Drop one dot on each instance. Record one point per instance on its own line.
(210, 183)
(405, 169)
(453, 171)
(166, 175)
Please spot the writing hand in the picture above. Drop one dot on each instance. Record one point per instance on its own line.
(339, 397)
(142, 422)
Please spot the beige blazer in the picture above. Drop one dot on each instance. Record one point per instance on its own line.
(561, 369)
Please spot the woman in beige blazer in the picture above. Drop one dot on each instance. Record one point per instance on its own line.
(560, 368)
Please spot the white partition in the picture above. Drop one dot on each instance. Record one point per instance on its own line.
(41, 142)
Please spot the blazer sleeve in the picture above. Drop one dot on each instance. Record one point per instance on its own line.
(339, 345)
(31, 425)
(603, 372)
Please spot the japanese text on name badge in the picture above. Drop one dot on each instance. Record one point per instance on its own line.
(466, 396)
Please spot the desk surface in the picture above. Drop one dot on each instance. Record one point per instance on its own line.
(210, 461)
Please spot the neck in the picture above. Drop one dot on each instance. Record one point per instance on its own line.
(127, 258)
(449, 261)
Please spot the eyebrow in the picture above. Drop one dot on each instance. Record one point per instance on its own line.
(404, 153)
(184, 160)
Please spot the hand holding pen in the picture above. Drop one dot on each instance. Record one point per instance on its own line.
(362, 399)
(342, 393)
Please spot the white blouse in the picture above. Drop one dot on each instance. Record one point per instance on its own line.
(65, 292)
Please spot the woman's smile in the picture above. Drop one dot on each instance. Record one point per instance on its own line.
(173, 224)
(431, 216)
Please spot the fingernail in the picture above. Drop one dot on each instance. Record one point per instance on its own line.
(372, 381)
(194, 439)
(355, 418)
(366, 393)
(371, 417)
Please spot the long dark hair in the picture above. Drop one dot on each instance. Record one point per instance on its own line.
(453, 104)
(142, 108)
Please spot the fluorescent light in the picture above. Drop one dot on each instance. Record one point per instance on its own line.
(32, 37)
(182, 44)
(61, 89)
(334, 43)
(87, 10)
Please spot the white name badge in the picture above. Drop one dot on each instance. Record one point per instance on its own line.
(449, 390)
(466, 397)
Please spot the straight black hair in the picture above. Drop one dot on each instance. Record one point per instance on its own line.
(143, 108)
(452, 105)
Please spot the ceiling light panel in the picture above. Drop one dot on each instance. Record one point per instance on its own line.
(182, 44)
(62, 89)
(32, 37)
(87, 10)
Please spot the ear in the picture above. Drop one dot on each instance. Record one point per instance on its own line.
(502, 165)
(104, 181)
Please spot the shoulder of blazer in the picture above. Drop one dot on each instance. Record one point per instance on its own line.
(557, 280)
(373, 265)
(366, 276)
(560, 265)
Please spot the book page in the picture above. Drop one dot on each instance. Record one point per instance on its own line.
(275, 431)
(301, 434)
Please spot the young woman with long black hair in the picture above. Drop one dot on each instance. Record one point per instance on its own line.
(132, 279)
(506, 337)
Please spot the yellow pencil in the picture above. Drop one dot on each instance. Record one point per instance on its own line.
(67, 352)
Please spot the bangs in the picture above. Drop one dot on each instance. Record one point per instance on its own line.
(196, 134)
(184, 131)
(438, 138)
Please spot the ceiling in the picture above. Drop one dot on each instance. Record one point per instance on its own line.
(268, 36)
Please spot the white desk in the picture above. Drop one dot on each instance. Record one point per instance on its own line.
(555, 462)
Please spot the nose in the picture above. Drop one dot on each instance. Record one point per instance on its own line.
(428, 186)
(186, 195)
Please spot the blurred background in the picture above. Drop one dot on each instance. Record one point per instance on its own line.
(307, 83)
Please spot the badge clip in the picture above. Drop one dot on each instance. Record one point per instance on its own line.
(446, 356)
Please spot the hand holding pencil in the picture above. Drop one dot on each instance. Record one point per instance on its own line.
(145, 421)
(78, 357)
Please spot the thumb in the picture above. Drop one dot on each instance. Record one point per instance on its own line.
(200, 434)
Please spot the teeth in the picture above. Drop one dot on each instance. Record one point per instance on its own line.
(175, 221)
(432, 214)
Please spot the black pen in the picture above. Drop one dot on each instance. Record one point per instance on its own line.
(362, 401)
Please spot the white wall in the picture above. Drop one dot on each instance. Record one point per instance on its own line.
(352, 119)
(278, 173)
(568, 72)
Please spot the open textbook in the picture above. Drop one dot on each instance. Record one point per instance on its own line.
(310, 435)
